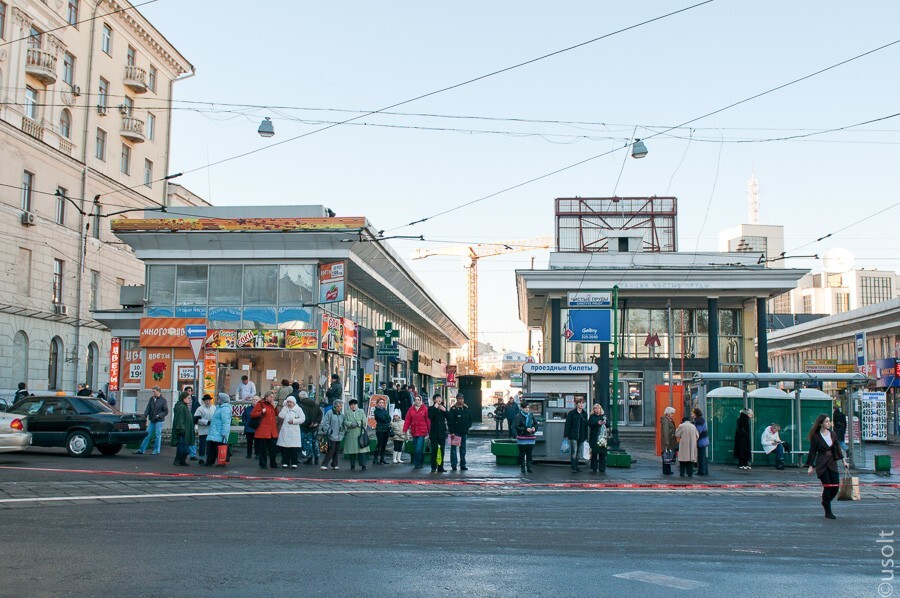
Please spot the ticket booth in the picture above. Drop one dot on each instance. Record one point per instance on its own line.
(553, 389)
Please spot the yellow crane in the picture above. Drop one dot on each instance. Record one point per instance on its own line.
(471, 254)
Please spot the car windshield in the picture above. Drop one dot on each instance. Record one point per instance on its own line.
(91, 405)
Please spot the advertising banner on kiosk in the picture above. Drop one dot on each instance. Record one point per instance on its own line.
(589, 326)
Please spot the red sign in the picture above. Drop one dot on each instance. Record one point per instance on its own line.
(114, 356)
(349, 337)
(451, 376)
(166, 332)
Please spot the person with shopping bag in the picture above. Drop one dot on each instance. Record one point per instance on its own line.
(355, 422)
(219, 429)
(182, 429)
(266, 435)
(824, 454)
(576, 432)
(668, 442)
(597, 438)
(289, 438)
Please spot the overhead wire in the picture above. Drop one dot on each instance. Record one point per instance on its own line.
(652, 135)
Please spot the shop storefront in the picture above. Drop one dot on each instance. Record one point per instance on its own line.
(280, 298)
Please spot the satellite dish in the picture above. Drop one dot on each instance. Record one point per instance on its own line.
(837, 260)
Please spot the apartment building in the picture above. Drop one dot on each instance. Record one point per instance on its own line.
(831, 294)
(85, 91)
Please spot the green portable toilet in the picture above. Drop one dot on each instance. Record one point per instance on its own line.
(813, 402)
(771, 406)
(723, 405)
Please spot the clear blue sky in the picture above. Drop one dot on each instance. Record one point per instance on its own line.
(365, 55)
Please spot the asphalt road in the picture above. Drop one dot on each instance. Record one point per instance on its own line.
(330, 539)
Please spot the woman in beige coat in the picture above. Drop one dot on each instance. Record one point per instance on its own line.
(687, 436)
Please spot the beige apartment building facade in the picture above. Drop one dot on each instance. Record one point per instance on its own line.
(85, 91)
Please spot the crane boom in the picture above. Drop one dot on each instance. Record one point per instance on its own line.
(474, 253)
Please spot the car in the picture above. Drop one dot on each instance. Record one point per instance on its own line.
(79, 423)
(14, 435)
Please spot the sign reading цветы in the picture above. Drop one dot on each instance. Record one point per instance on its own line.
(560, 368)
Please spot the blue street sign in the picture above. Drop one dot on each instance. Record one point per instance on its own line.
(590, 325)
(195, 331)
(860, 350)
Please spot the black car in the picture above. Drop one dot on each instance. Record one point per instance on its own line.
(79, 424)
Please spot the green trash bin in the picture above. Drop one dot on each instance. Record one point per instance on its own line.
(883, 463)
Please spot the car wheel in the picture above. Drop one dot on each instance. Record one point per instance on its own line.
(109, 449)
(79, 444)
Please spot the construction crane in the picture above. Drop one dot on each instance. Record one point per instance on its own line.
(471, 254)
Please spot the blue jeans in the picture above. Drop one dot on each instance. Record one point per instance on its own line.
(779, 455)
(153, 429)
(418, 450)
(575, 452)
(192, 450)
(462, 452)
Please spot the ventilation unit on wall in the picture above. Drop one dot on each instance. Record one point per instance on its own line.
(28, 219)
(60, 309)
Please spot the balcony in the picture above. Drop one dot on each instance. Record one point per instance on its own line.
(41, 65)
(32, 128)
(133, 129)
(65, 146)
(136, 79)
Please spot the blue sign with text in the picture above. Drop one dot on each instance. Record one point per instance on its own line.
(590, 325)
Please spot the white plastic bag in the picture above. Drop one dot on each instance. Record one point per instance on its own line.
(585, 452)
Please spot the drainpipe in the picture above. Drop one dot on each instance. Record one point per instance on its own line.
(82, 225)
(165, 199)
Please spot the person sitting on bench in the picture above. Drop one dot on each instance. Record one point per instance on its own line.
(772, 443)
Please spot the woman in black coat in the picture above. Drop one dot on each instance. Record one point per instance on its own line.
(742, 439)
(437, 434)
(596, 424)
(824, 454)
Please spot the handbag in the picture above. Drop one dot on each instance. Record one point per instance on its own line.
(222, 455)
(323, 445)
(668, 456)
(565, 447)
(849, 489)
(363, 439)
(455, 440)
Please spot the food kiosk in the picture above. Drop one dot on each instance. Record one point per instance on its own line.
(552, 390)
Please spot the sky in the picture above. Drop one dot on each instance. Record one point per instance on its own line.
(304, 63)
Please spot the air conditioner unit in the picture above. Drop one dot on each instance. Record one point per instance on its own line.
(60, 309)
(28, 219)
(76, 90)
(102, 110)
(123, 109)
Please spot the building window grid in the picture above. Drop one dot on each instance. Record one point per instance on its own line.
(131, 56)
(3, 9)
(27, 190)
(148, 173)
(100, 150)
(103, 93)
(94, 301)
(72, 13)
(874, 289)
(125, 162)
(65, 123)
(61, 205)
(31, 102)
(35, 38)
(151, 78)
(57, 286)
(151, 126)
(106, 39)
(68, 75)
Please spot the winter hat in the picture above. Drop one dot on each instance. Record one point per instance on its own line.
(303, 394)
(290, 399)
(224, 398)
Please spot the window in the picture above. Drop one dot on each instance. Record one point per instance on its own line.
(125, 164)
(93, 363)
(106, 39)
(54, 368)
(225, 285)
(129, 58)
(95, 290)
(31, 102)
(27, 190)
(874, 289)
(841, 302)
(68, 74)
(807, 304)
(23, 279)
(57, 290)
(72, 14)
(151, 78)
(128, 104)
(260, 285)
(65, 123)
(20, 357)
(151, 126)
(101, 145)
(190, 285)
(148, 173)
(161, 285)
(95, 223)
(61, 205)
(34, 38)
(2, 20)
(103, 94)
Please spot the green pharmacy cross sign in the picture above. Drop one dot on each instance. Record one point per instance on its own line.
(388, 334)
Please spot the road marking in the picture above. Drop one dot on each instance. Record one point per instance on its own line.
(200, 494)
(662, 580)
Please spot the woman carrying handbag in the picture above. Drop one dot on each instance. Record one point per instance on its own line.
(824, 454)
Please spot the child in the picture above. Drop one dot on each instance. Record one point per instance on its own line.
(399, 437)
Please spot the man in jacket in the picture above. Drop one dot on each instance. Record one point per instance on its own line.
(405, 400)
(335, 392)
(156, 412)
(459, 420)
(576, 431)
(203, 416)
(310, 426)
(511, 411)
(772, 443)
(21, 393)
(193, 405)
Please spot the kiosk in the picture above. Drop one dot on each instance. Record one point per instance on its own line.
(552, 389)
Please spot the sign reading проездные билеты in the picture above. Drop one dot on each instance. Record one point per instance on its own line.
(560, 368)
